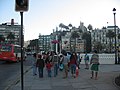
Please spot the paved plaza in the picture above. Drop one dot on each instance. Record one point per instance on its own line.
(107, 73)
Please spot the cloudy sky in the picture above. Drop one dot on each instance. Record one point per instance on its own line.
(45, 15)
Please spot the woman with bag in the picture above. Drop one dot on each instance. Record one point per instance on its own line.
(94, 65)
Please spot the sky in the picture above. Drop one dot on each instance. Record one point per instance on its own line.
(45, 15)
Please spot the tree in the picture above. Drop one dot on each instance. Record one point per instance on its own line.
(110, 35)
(98, 46)
(70, 25)
(11, 37)
(74, 35)
(104, 28)
(90, 27)
(66, 27)
(60, 34)
(87, 37)
(61, 25)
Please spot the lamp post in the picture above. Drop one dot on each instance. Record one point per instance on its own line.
(56, 45)
(114, 12)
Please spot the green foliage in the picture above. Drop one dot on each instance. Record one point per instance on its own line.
(98, 46)
(75, 35)
(61, 25)
(70, 25)
(87, 37)
(110, 34)
(90, 27)
(11, 36)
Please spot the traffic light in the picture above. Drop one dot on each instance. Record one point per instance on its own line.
(21, 5)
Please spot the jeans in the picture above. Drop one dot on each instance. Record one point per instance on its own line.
(49, 73)
(73, 68)
(40, 71)
(34, 69)
(55, 70)
(86, 63)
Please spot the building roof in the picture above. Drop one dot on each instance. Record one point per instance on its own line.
(111, 27)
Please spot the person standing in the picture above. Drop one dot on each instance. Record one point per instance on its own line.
(73, 64)
(34, 64)
(68, 56)
(86, 59)
(55, 64)
(94, 65)
(40, 64)
(65, 65)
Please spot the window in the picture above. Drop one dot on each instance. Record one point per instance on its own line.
(6, 48)
(17, 49)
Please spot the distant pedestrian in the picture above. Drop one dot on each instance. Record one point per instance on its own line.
(55, 64)
(65, 64)
(40, 64)
(48, 67)
(73, 64)
(86, 59)
(94, 65)
(34, 64)
(61, 63)
(68, 56)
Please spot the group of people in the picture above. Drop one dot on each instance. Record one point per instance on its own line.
(66, 62)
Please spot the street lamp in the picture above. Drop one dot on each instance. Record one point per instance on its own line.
(114, 12)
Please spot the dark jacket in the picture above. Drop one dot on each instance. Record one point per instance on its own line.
(40, 63)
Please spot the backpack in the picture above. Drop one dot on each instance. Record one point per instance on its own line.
(86, 57)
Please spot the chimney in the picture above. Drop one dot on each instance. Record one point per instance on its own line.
(12, 21)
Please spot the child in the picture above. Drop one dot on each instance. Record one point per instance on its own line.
(48, 67)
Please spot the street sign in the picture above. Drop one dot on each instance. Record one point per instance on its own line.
(21, 5)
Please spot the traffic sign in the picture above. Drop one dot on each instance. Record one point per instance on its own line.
(21, 5)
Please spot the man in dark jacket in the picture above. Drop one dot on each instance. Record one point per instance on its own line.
(40, 64)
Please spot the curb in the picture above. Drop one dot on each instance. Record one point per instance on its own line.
(17, 80)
